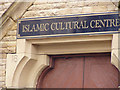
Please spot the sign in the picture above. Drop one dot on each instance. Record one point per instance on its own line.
(68, 25)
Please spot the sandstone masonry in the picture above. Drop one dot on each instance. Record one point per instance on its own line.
(42, 9)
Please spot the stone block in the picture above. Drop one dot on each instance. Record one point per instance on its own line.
(11, 49)
(1, 83)
(8, 44)
(3, 56)
(37, 2)
(99, 9)
(40, 7)
(9, 38)
(87, 10)
(111, 7)
(12, 33)
(1, 12)
(3, 61)
(3, 50)
(75, 4)
(1, 8)
(91, 3)
(2, 79)
(105, 3)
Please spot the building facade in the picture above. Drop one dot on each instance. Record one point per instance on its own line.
(23, 62)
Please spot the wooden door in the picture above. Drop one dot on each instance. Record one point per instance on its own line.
(99, 72)
(66, 73)
(79, 71)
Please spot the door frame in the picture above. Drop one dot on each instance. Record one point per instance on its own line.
(32, 55)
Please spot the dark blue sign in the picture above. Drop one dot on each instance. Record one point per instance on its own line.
(68, 25)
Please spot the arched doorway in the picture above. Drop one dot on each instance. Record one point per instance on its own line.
(79, 71)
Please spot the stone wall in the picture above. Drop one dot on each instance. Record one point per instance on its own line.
(6, 45)
(4, 6)
(47, 8)
(67, 7)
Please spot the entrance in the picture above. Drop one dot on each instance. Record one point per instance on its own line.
(79, 71)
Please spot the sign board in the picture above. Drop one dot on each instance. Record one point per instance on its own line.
(101, 23)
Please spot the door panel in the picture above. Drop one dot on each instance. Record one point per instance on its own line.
(100, 73)
(67, 73)
(79, 71)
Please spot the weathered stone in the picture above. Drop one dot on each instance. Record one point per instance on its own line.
(111, 7)
(6, 27)
(69, 11)
(2, 72)
(2, 83)
(3, 56)
(116, 8)
(2, 79)
(11, 49)
(12, 33)
(1, 7)
(8, 50)
(1, 12)
(37, 2)
(2, 65)
(104, 3)
(47, 6)
(87, 10)
(2, 61)
(99, 9)
(75, 4)
(31, 14)
(8, 44)
(91, 4)
(7, 5)
(9, 38)
(3, 50)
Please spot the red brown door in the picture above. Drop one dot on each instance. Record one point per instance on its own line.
(79, 71)
(100, 73)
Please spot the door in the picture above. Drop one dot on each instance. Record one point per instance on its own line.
(79, 71)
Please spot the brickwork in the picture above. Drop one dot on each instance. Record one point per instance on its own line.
(47, 8)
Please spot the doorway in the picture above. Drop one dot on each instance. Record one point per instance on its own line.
(79, 71)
